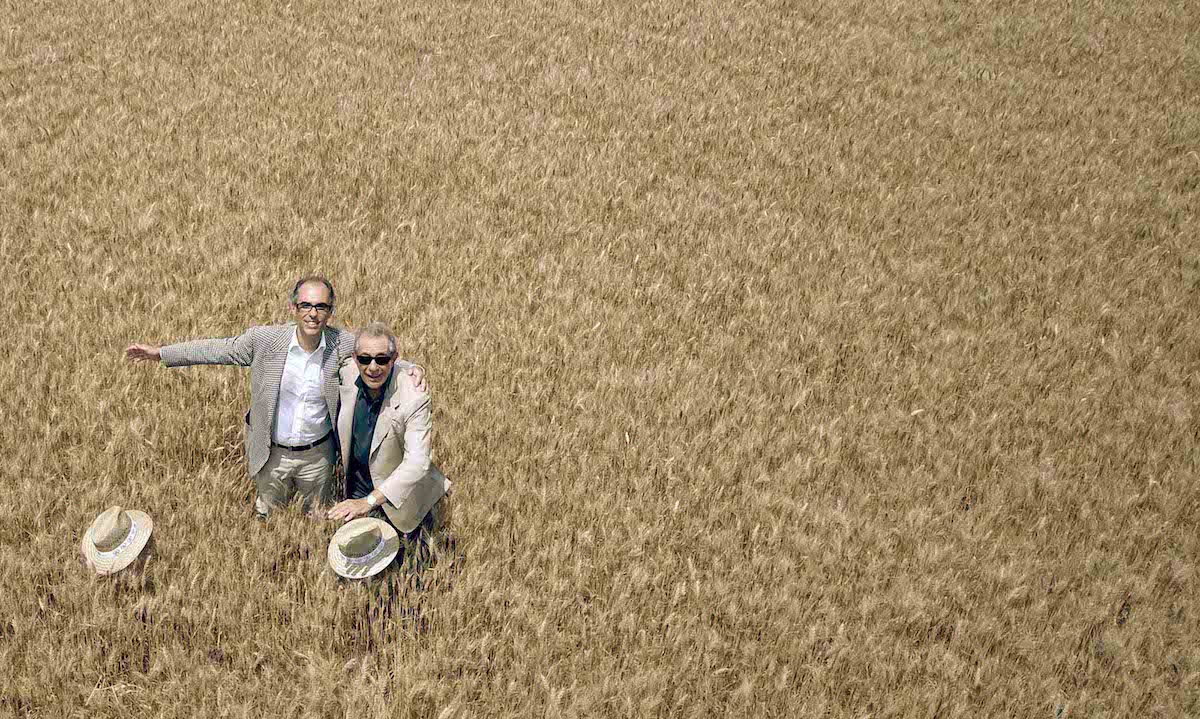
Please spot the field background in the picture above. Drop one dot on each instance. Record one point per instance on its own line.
(791, 359)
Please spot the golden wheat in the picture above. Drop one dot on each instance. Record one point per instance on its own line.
(790, 359)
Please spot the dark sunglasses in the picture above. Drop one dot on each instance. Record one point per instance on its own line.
(320, 307)
(381, 360)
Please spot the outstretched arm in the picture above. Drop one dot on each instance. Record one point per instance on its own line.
(225, 351)
(143, 353)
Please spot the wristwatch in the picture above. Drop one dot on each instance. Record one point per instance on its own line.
(371, 499)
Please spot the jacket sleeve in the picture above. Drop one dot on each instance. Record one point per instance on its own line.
(418, 450)
(224, 351)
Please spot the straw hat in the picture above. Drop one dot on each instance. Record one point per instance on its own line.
(363, 547)
(115, 539)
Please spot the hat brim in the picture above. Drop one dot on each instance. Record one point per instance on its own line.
(349, 568)
(105, 563)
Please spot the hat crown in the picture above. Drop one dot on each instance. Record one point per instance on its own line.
(361, 543)
(112, 527)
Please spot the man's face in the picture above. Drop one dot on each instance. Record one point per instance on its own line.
(379, 360)
(313, 309)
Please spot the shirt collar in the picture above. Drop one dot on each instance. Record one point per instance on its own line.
(295, 343)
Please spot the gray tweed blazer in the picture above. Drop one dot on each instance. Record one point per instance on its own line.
(264, 351)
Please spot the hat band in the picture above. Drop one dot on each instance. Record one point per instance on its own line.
(368, 557)
(123, 545)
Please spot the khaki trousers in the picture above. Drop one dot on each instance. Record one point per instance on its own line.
(287, 473)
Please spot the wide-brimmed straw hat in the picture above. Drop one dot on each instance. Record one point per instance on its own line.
(363, 547)
(115, 539)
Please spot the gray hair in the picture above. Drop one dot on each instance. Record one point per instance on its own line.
(376, 329)
(312, 279)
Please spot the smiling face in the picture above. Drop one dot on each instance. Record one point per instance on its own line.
(312, 309)
(381, 357)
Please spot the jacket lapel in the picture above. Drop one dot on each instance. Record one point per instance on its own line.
(273, 362)
(345, 420)
(279, 344)
(383, 424)
(329, 371)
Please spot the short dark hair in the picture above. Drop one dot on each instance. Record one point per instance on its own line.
(313, 278)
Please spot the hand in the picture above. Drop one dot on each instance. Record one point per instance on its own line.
(142, 353)
(416, 373)
(349, 509)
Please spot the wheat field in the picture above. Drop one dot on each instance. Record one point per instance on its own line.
(790, 358)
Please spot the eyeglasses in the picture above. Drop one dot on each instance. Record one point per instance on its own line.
(381, 360)
(320, 307)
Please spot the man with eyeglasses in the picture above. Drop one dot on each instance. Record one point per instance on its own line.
(293, 393)
(385, 428)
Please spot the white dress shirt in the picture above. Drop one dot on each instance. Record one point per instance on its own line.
(302, 415)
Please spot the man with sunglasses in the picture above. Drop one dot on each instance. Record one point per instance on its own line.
(293, 391)
(385, 428)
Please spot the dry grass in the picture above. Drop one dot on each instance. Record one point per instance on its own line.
(792, 359)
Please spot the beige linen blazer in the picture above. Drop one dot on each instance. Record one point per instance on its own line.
(401, 448)
(264, 351)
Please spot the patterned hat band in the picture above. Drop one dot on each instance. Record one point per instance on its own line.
(129, 539)
(368, 557)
